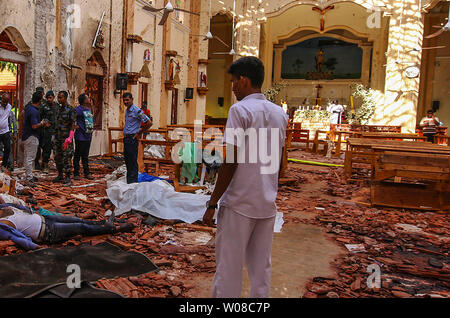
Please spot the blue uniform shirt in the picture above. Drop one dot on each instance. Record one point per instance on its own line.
(32, 117)
(133, 119)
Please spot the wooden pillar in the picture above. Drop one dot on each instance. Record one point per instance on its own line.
(366, 61)
(427, 70)
(194, 46)
(58, 25)
(165, 104)
(278, 64)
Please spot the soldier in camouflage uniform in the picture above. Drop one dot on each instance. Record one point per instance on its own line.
(48, 111)
(65, 128)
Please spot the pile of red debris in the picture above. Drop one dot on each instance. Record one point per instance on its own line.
(410, 248)
(177, 249)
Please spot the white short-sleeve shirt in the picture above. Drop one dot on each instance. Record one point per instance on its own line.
(261, 126)
(4, 119)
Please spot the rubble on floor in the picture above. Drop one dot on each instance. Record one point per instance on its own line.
(411, 248)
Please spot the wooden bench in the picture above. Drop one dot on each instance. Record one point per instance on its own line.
(442, 140)
(299, 139)
(365, 151)
(317, 142)
(420, 181)
(389, 136)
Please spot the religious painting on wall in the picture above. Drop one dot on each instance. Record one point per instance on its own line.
(322, 58)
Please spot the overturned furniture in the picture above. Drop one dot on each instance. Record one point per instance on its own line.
(412, 180)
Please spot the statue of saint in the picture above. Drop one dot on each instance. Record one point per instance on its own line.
(176, 78)
(319, 61)
(171, 66)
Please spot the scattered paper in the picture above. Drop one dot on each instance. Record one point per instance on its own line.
(355, 248)
(79, 196)
(279, 221)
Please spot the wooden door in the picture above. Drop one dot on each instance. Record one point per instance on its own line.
(94, 89)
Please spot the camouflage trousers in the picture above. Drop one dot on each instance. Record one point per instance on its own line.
(63, 158)
(47, 146)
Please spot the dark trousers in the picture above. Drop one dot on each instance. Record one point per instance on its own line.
(46, 145)
(62, 228)
(5, 139)
(82, 149)
(430, 137)
(131, 148)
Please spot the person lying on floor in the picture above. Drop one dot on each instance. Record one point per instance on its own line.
(53, 229)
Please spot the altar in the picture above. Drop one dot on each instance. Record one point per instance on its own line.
(313, 119)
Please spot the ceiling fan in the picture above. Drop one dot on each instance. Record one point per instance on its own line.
(209, 35)
(232, 52)
(443, 29)
(169, 8)
(417, 49)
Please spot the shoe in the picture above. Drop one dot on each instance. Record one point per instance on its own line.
(128, 227)
(35, 179)
(45, 168)
(89, 177)
(37, 166)
(76, 177)
(29, 184)
(59, 178)
(67, 181)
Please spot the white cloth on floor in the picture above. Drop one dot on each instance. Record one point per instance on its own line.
(157, 198)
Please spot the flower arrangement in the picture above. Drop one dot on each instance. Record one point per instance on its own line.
(363, 114)
(312, 116)
(272, 93)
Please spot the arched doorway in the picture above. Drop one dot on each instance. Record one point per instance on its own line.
(219, 98)
(14, 58)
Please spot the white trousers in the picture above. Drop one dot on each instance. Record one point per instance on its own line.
(240, 239)
(30, 148)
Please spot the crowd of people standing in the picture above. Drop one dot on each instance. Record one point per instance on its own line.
(50, 123)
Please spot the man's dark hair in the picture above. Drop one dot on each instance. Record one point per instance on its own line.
(37, 97)
(430, 111)
(127, 94)
(82, 98)
(66, 95)
(250, 67)
(40, 89)
(49, 93)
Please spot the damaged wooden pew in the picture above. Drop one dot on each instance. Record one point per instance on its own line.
(364, 151)
(412, 180)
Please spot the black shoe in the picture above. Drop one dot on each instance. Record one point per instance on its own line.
(37, 166)
(59, 178)
(29, 184)
(35, 179)
(128, 227)
(67, 181)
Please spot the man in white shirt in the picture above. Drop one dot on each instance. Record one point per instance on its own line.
(429, 124)
(247, 189)
(5, 136)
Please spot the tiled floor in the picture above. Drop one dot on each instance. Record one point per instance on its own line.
(299, 253)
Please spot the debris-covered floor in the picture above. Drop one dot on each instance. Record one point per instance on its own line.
(331, 237)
